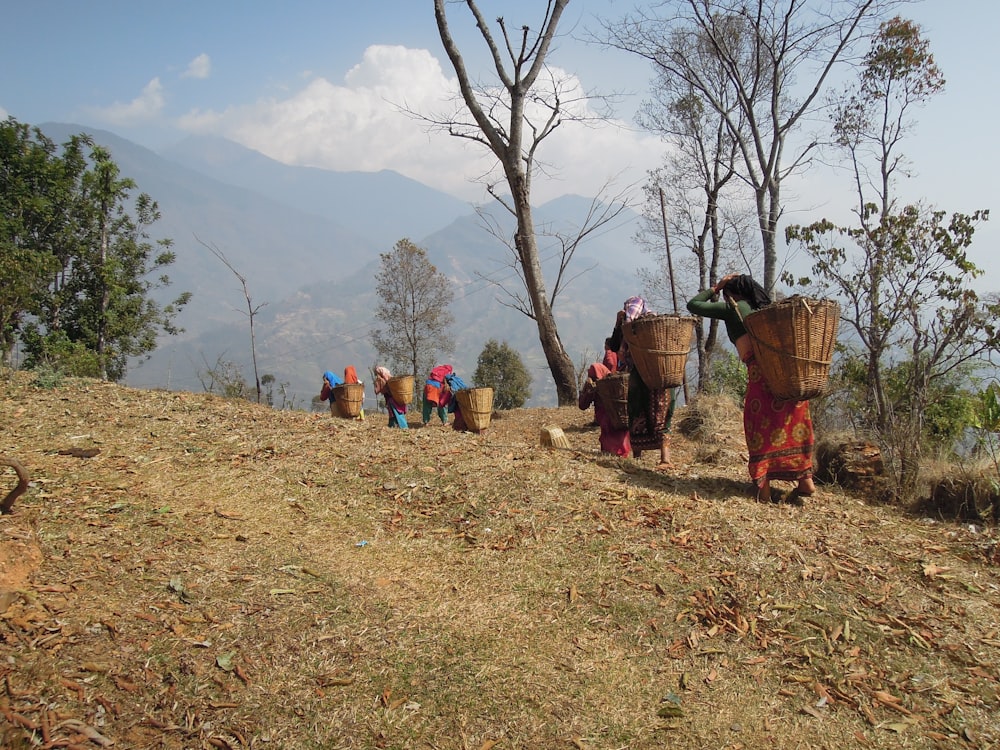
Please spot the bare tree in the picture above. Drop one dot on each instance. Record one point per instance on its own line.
(512, 119)
(252, 309)
(557, 243)
(414, 308)
(775, 56)
(705, 217)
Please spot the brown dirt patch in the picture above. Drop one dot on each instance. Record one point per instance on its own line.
(220, 575)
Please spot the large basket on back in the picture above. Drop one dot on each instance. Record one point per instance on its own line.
(793, 343)
(477, 407)
(613, 391)
(401, 389)
(350, 397)
(659, 347)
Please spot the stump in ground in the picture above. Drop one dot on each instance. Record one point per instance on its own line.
(855, 465)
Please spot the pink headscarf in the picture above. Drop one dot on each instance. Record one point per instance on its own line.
(635, 307)
(440, 372)
(382, 376)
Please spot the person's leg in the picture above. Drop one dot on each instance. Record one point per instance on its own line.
(764, 490)
(443, 414)
(428, 408)
(664, 453)
(806, 485)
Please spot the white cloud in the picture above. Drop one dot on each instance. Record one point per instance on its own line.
(145, 107)
(4, 114)
(359, 125)
(199, 67)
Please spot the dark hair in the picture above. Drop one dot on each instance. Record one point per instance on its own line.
(745, 287)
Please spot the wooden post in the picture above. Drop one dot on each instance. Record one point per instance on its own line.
(670, 272)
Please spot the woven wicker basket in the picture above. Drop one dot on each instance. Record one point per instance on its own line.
(659, 347)
(613, 391)
(349, 397)
(793, 343)
(401, 389)
(477, 407)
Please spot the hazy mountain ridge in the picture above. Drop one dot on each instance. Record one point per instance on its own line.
(310, 258)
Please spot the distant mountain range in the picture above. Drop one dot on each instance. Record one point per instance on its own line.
(308, 240)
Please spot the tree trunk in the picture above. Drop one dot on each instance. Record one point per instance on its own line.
(560, 364)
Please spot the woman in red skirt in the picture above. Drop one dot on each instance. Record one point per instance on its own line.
(779, 434)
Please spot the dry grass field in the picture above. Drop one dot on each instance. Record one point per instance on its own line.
(191, 572)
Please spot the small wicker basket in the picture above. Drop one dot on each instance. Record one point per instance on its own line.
(793, 344)
(477, 407)
(613, 391)
(659, 346)
(350, 397)
(401, 389)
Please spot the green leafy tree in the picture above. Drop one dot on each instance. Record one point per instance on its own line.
(501, 368)
(37, 226)
(76, 261)
(112, 311)
(902, 273)
(414, 298)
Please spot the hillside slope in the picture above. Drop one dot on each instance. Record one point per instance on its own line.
(188, 571)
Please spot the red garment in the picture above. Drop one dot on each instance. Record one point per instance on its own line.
(350, 375)
(613, 440)
(440, 372)
(779, 433)
(434, 393)
(611, 360)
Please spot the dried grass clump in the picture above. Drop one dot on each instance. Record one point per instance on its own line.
(969, 494)
(708, 416)
(853, 464)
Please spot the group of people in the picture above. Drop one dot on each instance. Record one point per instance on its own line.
(779, 433)
(650, 410)
(438, 396)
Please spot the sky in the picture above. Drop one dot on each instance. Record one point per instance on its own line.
(324, 82)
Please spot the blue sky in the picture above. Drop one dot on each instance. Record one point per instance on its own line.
(317, 82)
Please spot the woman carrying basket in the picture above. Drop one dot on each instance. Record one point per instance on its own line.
(613, 440)
(351, 376)
(397, 411)
(436, 394)
(650, 410)
(779, 434)
(330, 381)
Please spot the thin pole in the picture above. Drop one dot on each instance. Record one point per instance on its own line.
(666, 243)
(670, 272)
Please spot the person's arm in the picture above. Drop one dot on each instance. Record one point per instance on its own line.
(701, 304)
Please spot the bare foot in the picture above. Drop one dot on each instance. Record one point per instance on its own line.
(664, 466)
(806, 487)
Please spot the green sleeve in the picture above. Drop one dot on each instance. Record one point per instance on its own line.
(701, 304)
